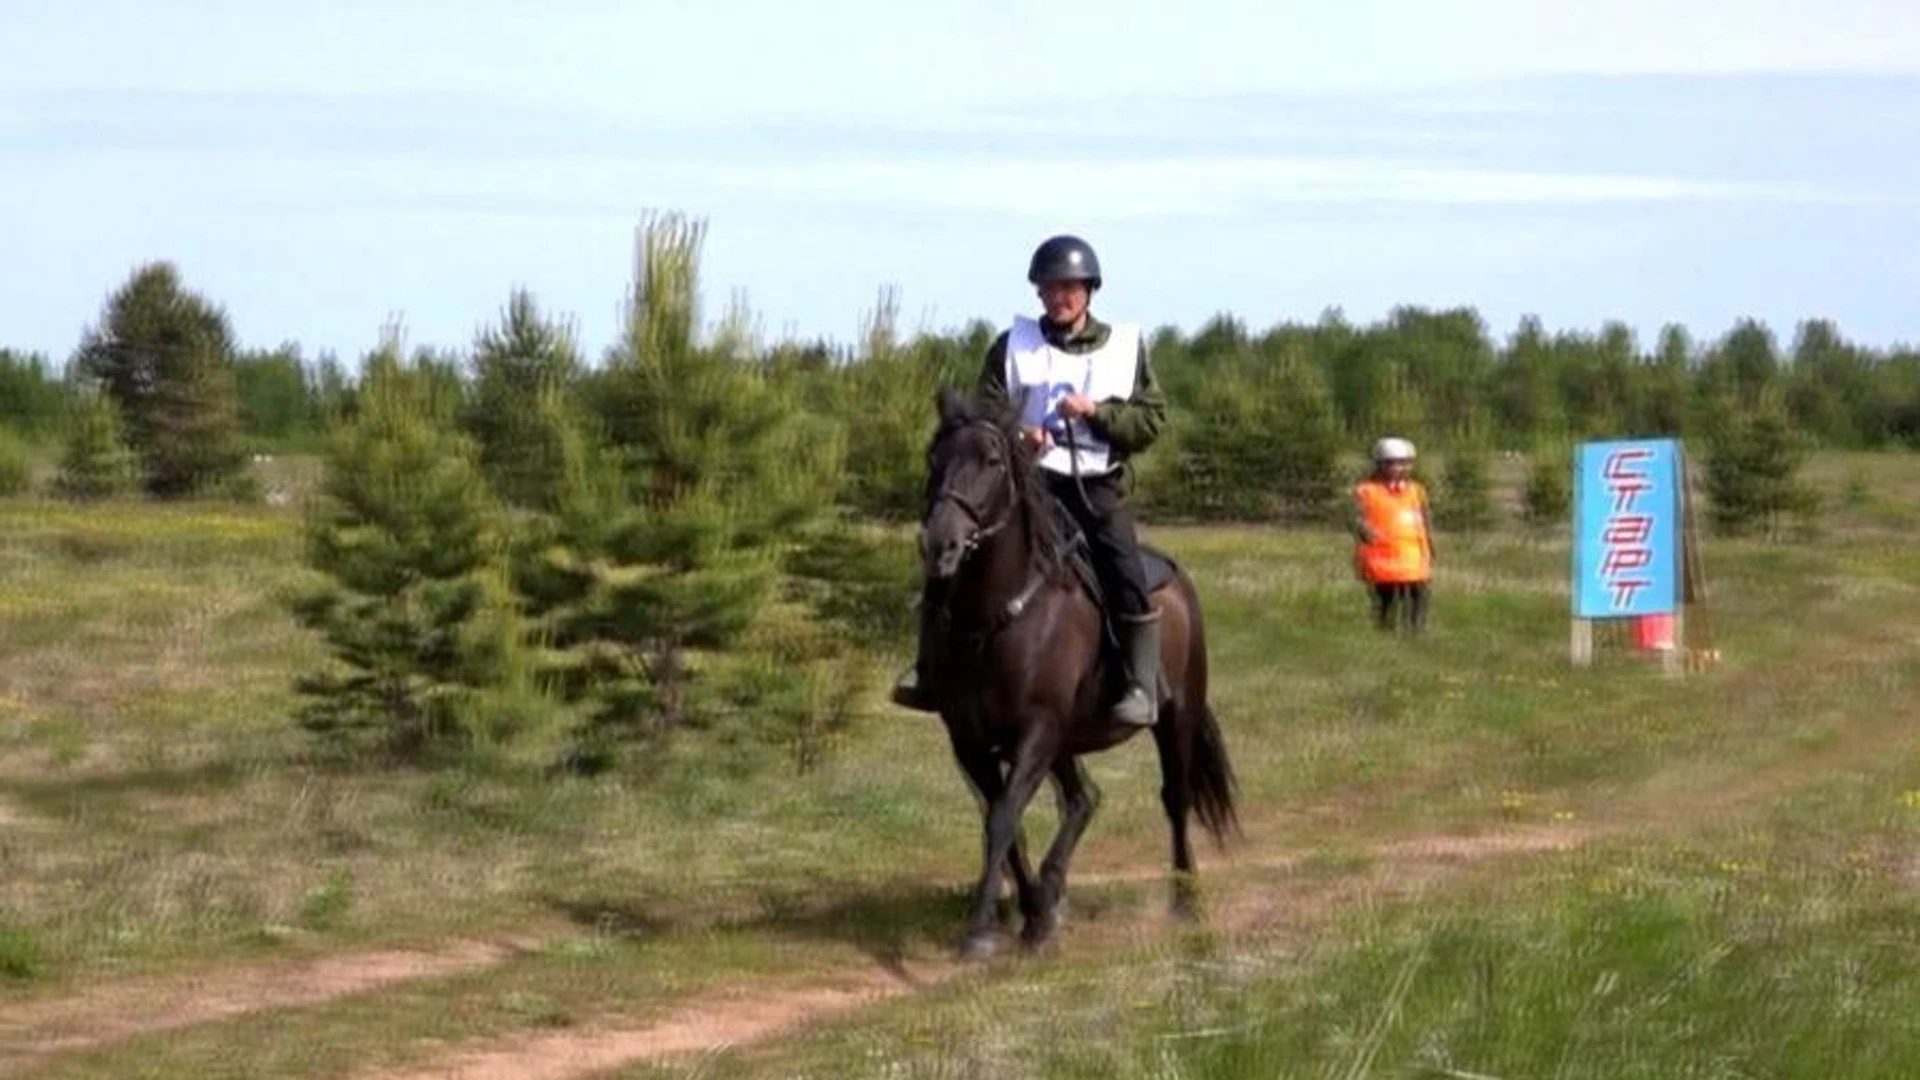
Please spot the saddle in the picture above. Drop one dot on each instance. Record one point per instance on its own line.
(1160, 569)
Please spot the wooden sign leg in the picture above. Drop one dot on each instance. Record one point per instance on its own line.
(1581, 645)
(1674, 662)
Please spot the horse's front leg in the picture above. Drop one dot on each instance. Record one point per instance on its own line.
(1002, 827)
(985, 777)
(1079, 798)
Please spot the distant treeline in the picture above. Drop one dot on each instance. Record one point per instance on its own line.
(674, 536)
(1261, 421)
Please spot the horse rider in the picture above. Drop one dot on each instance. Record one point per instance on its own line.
(1394, 535)
(1069, 370)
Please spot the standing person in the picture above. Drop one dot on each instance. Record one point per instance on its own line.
(1069, 368)
(1394, 553)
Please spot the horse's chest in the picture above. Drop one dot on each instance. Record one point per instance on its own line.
(989, 713)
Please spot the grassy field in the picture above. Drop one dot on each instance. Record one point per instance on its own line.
(1463, 858)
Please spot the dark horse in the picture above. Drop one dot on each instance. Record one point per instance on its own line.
(1024, 673)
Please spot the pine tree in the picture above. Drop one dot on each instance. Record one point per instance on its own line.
(278, 405)
(1661, 390)
(1588, 367)
(887, 389)
(193, 442)
(1447, 362)
(1397, 407)
(414, 609)
(1524, 390)
(1302, 436)
(737, 336)
(1748, 358)
(1827, 384)
(1549, 494)
(861, 581)
(31, 396)
(1466, 500)
(1753, 459)
(666, 554)
(165, 356)
(1261, 439)
(525, 369)
(16, 464)
(95, 462)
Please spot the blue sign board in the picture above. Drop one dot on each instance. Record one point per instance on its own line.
(1626, 528)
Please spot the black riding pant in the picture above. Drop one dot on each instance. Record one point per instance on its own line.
(1111, 538)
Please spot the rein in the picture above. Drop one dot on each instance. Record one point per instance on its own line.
(983, 530)
(1073, 462)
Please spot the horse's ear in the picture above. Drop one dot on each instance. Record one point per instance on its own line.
(952, 405)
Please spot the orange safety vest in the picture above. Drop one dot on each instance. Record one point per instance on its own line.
(1397, 516)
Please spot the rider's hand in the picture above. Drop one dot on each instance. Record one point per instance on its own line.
(1074, 406)
(1038, 438)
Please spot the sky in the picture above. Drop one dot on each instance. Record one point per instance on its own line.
(321, 168)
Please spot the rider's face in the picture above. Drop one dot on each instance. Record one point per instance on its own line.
(1066, 301)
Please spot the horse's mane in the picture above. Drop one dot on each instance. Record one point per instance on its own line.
(1050, 530)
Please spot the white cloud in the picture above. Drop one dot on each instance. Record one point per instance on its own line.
(1216, 186)
(1222, 186)
(682, 62)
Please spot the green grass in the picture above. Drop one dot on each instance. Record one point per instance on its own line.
(1747, 897)
(1673, 970)
(1784, 945)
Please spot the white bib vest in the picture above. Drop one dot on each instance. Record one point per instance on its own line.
(1039, 375)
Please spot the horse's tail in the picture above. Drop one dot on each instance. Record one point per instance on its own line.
(1210, 777)
(1210, 781)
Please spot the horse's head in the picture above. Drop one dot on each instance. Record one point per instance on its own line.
(972, 491)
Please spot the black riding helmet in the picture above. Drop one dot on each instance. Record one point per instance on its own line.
(1064, 258)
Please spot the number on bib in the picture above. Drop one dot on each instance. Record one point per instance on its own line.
(1057, 393)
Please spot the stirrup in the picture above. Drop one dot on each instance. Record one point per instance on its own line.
(910, 692)
(1136, 708)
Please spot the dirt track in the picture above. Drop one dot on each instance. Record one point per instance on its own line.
(727, 1016)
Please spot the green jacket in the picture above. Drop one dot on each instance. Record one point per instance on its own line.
(1129, 425)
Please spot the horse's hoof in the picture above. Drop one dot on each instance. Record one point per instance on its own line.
(1186, 903)
(980, 946)
(1040, 932)
(1038, 938)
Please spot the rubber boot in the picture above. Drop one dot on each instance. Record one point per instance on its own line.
(1140, 704)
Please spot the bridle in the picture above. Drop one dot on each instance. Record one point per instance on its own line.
(982, 528)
